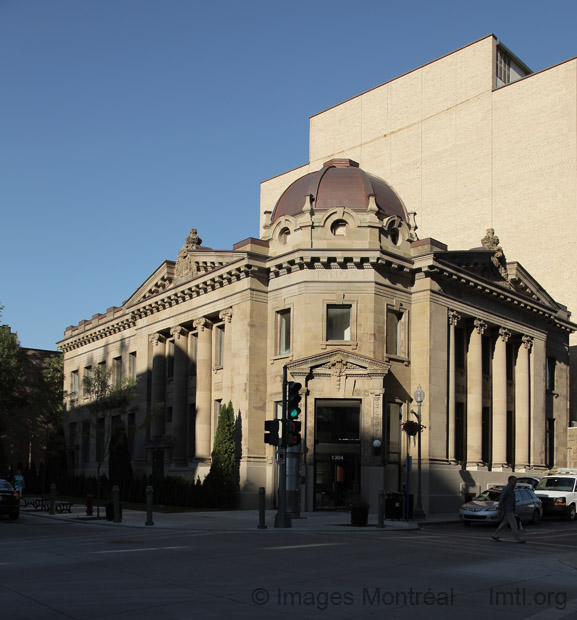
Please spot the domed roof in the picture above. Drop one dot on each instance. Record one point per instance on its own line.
(339, 183)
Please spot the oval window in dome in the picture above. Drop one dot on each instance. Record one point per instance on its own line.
(339, 228)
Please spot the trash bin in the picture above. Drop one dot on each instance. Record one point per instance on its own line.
(395, 506)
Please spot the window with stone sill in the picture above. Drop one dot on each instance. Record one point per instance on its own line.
(339, 322)
(219, 346)
(396, 334)
(283, 332)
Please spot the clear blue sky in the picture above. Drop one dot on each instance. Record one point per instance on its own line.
(124, 123)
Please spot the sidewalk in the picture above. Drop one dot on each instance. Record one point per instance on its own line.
(236, 520)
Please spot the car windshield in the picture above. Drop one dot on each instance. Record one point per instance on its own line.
(491, 495)
(5, 485)
(556, 484)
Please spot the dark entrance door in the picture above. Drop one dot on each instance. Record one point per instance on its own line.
(337, 453)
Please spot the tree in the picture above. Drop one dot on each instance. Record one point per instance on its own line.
(220, 485)
(108, 400)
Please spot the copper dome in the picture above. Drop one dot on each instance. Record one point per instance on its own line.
(339, 183)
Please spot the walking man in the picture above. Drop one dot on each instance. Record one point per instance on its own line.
(507, 510)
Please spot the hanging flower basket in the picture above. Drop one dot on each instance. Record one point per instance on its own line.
(412, 428)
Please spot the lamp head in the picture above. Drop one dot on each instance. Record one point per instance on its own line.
(419, 394)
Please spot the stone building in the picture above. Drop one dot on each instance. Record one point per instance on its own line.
(340, 290)
(471, 140)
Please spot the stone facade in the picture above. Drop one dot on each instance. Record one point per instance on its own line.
(471, 140)
(341, 293)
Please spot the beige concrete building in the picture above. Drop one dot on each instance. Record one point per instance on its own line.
(470, 141)
(340, 291)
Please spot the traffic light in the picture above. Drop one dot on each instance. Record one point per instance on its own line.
(271, 435)
(294, 433)
(293, 400)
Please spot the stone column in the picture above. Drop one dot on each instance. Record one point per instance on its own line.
(522, 400)
(475, 395)
(203, 389)
(454, 318)
(499, 430)
(158, 383)
(180, 394)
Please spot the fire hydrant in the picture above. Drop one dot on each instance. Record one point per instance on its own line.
(89, 504)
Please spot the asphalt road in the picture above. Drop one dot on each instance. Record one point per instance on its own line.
(53, 570)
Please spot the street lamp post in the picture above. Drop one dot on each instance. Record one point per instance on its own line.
(419, 513)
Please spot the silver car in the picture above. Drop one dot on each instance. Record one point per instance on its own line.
(485, 507)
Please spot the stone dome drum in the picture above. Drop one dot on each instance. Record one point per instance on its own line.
(339, 183)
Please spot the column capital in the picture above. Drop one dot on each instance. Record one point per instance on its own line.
(527, 342)
(178, 331)
(504, 334)
(226, 315)
(480, 326)
(454, 317)
(156, 339)
(202, 323)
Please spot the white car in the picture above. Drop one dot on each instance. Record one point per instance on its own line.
(558, 492)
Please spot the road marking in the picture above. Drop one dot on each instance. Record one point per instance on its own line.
(138, 550)
(306, 546)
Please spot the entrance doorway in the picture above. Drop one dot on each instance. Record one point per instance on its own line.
(337, 453)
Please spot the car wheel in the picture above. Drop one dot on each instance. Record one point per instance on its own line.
(14, 515)
(571, 513)
(536, 517)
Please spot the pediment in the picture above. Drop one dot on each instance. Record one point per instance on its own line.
(337, 362)
(523, 283)
(159, 281)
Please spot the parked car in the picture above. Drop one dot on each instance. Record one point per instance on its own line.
(9, 500)
(532, 480)
(485, 507)
(558, 492)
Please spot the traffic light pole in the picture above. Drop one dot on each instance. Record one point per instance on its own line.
(282, 519)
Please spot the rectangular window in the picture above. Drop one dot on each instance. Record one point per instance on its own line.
(170, 359)
(72, 435)
(503, 67)
(85, 442)
(459, 348)
(74, 384)
(131, 432)
(283, 332)
(219, 345)
(87, 378)
(117, 369)
(393, 433)
(100, 432)
(550, 378)
(394, 333)
(193, 353)
(338, 322)
(132, 364)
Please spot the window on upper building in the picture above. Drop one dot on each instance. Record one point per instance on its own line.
(396, 333)
(117, 369)
(283, 332)
(87, 378)
(100, 437)
(550, 374)
(338, 322)
(503, 66)
(219, 345)
(85, 441)
(132, 364)
(74, 384)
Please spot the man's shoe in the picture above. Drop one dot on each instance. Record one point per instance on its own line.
(495, 539)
